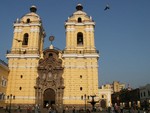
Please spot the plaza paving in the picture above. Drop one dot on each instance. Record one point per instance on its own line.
(46, 111)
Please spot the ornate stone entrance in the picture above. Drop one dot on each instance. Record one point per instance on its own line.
(50, 83)
(49, 97)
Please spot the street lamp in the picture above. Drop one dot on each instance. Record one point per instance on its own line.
(85, 101)
(37, 88)
(10, 97)
(93, 102)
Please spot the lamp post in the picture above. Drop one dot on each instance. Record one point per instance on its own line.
(10, 97)
(93, 102)
(85, 101)
(37, 89)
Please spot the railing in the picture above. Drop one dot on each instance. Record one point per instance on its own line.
(81, 51)
(23, 51)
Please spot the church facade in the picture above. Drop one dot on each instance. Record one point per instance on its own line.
(41, 76)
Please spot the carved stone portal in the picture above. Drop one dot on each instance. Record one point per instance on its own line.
(50, 83)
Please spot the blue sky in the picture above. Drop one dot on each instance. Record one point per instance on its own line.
(122, 34)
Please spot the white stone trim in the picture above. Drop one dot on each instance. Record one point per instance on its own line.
(26, 24)
(80, 67)
(35, 24)
(80, 24)
(70, 29)
(89, 23)
(72, 66)
(70, 23)
(71, 98)
(89, 29)
(80, 55)
(14, 66)
(25, 97)
(23, 56)
(17, 30)
(91, 55)
(34, 30)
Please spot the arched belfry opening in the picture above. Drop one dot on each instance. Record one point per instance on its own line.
(28, 20)
(49, 87)
(80, 39)
(25, 39)
(79, 20)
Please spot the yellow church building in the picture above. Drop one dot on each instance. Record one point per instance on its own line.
(65, 78)
(4, 71)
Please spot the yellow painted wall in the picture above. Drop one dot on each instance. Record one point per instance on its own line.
(3, 78)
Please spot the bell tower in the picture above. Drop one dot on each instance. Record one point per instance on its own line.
(80, 31)
(27, 48)
(80, 58)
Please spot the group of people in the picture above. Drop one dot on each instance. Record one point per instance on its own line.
(51, 108)
(33, 109)
(115, 109)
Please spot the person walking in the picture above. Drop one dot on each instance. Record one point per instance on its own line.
(63, 110)
(36, 109)
(73, 111)
(109, 109)
(121, 109)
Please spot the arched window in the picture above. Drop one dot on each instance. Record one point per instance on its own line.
(28, 20)
(25, 39)
(50, 55)
(80, 39)
(79, 20)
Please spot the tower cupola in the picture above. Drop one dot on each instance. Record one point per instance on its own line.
(33, 9)
(79, 7)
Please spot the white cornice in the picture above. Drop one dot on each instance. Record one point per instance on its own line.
(70, 23)
(89, 23)
(23, 56)
(73, 29)
(71, 98)
(34, 30)
(89, 29)
(28, 24)
(81, 67)
(80, 55)
(18, 30)
(15, 66)
(25, 97)
(70, 29)
(80, 24)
